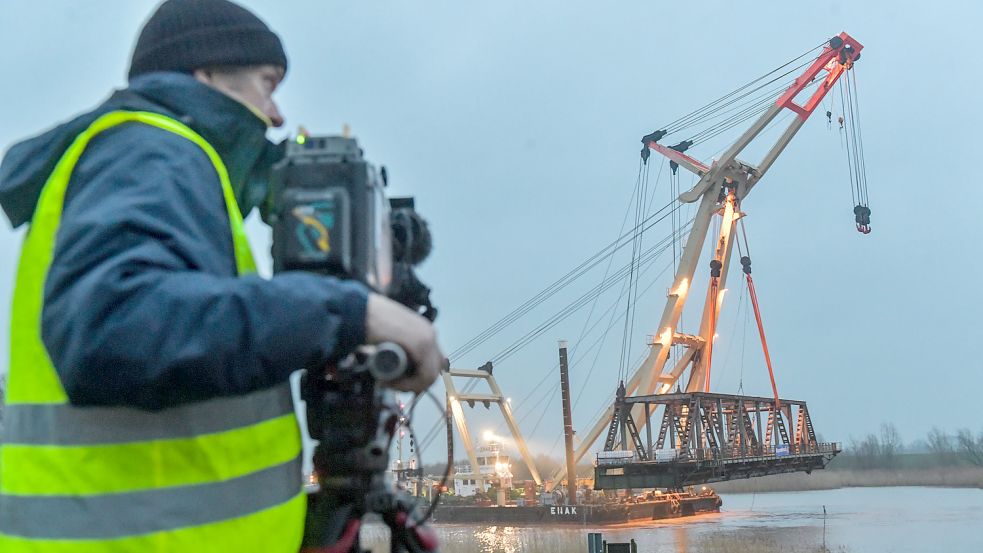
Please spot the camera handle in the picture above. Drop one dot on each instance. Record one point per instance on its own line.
(387, 361)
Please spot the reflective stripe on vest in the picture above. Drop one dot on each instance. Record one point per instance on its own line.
(222, 474)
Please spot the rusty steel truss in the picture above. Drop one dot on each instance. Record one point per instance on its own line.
(706, 437)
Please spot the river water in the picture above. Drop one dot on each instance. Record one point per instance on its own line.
(858, 520)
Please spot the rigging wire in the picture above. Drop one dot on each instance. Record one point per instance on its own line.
(612, 310)
(547, 398)
(638, 360)
(740, 113)
(645, 260)
(621, 232)
(742, 252)
(863, 163)
(752, 294)
(584, 267)
(573, 274)
(674, 215)
(677, 238)
(761, 100)
(746, 115)
(852, 140)
(696, 115)
(747, 320)
(597, 354)
(597, 345)
(646, 257)
(849, 162)
(584, 329)
(765, 97)
(632, 282)
(551, 393)
(645, 265)
(854, 149)
(727, 356)
(607, 270)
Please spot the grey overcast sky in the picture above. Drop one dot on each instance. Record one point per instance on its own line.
(516, 125)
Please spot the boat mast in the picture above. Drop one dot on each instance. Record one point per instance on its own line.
(567, 425)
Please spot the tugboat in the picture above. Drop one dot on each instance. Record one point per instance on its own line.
(494, 465)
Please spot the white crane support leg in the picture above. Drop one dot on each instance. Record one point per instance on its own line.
(462, 428)
(514, 428)
(455, 398)
(651, 368)
(711, 312)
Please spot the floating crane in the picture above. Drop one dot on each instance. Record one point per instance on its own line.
(703, 436)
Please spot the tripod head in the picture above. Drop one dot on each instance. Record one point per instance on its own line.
(355, 421)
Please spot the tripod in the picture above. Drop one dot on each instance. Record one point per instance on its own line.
(354, 421)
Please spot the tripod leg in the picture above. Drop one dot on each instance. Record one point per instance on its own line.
(407, 536)
(347, 543)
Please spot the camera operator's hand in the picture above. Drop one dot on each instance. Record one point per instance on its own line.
(390, 321)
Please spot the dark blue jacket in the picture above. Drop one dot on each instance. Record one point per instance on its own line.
(142, 303)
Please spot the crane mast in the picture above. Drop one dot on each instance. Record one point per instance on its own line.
(721, 188)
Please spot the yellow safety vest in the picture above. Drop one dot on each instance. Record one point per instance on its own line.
(217, 475)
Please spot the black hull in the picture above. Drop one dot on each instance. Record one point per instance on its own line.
(581, 515)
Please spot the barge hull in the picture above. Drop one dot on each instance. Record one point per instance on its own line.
(582, 515)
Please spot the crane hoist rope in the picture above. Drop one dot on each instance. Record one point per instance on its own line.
(585, 266)
(752, 292)
(700, 114)
(851, 137)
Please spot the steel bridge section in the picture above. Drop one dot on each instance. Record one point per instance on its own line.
(707, 437)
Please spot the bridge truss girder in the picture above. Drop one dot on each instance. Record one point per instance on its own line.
(707, 437)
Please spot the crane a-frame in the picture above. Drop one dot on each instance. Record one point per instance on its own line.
(720, 191)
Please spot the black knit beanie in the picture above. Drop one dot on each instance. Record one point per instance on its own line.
(184, 35)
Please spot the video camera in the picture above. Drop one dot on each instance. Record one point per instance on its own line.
(330, 215)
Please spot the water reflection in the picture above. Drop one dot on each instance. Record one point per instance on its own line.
(860, 520)
(494, 538)
(679, 538)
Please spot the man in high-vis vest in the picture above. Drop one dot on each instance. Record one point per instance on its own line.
(148, 404)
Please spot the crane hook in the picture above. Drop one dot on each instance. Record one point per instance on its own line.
(862, 217)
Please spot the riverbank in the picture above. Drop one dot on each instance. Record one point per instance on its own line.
(948, 477)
